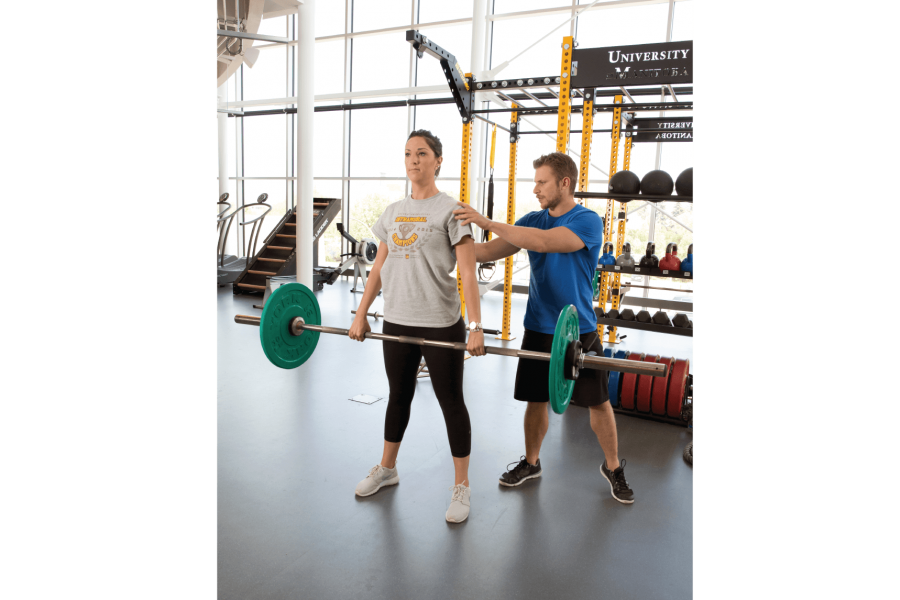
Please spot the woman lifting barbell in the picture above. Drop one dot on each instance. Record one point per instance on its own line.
(420, 244)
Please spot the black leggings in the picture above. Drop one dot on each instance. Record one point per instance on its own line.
(445, 367)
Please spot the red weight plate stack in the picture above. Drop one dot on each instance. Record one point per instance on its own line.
(645, 386)
(661, 388)
(677, 384)
(629, 382)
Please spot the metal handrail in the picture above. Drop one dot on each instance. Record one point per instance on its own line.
(221, 216)
(257, 218)
(223, 211)
(254, 231)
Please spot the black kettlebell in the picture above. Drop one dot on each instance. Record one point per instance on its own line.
(658, 183)
(650, 259)
(684, 185)
(624, 182)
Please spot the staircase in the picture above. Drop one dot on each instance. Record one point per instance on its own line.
(279, 251)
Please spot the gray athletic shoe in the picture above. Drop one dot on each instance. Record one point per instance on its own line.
(459, 504)
(377, 478)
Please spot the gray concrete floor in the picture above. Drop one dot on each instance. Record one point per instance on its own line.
(292, 447)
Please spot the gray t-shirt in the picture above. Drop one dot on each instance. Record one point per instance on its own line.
(418, 277)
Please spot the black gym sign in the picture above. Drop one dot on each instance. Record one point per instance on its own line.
(663, 129)
(642, 64)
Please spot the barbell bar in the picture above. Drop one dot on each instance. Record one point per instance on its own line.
(291, 323)
(377, 315)
(584, 361)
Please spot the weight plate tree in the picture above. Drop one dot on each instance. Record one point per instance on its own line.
(629, 382)
(677, 383)
(615, 381)
(660, 389)
(644, 386)
(291, 323)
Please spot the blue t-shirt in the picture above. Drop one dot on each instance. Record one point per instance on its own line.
(558, 279)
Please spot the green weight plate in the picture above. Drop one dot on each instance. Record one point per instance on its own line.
(282, 348)
(566, 332)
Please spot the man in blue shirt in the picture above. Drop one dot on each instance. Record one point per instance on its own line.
(563, 242)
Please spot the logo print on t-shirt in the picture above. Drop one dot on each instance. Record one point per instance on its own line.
(405, 230)
(406, 226)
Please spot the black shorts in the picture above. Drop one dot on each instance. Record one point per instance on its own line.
(532, 376)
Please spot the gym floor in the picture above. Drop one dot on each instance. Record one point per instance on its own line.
(292, 447)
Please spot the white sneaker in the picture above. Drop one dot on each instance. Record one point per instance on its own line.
(459, 504)
(377, 478)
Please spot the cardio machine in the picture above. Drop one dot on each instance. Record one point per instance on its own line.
(362, 253)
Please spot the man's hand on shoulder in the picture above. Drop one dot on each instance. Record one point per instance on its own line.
(469, 216)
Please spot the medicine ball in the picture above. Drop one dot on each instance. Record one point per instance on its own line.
(624, 182)
(657, 183)
(684, 185)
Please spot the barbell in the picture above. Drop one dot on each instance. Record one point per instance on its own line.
(291, 320)
(379, 315)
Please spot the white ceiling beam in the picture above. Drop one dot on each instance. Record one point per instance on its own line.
(280, 8)
(407, 91)
(396, 29)
(568, 9)
(252, 36)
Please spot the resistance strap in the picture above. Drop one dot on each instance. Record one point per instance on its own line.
(486, 235)
(486, 270)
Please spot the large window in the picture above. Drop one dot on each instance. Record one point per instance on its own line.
(377, 137)
(359, 153)
(369, 15)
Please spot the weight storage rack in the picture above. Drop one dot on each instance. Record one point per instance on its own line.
(686, 409)
(670, 329)
(649, 271)
(630, 197)
(609, 275)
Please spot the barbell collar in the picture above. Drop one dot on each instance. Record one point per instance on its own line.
(297, 325)
(587, 362)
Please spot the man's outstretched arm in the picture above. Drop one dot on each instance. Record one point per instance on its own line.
(558, 239)
(494, 250)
